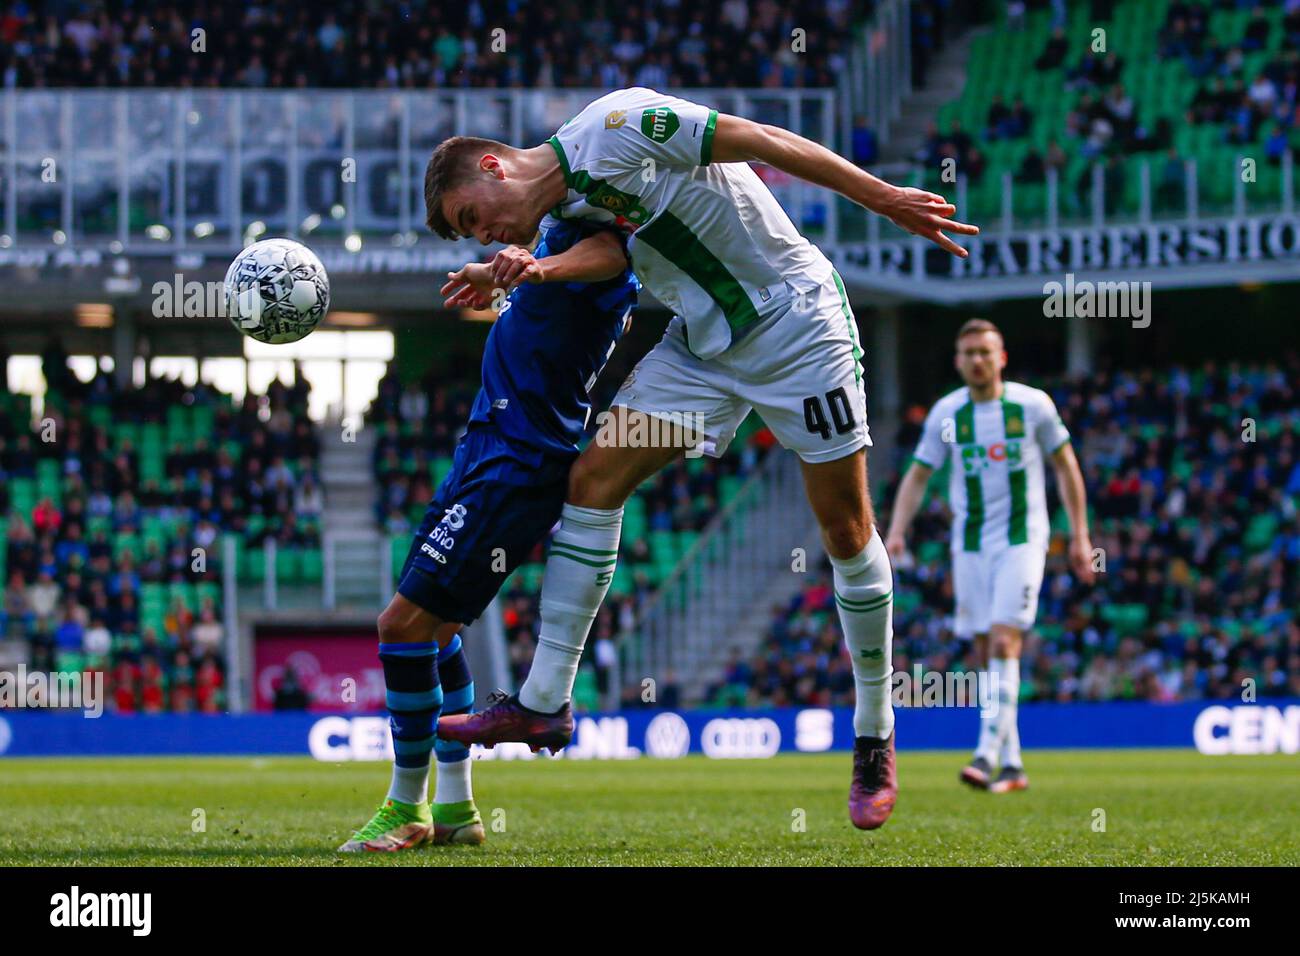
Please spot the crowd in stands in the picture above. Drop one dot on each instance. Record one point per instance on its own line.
(1193, 479)
(1114, 82)
(421, 43)
(1244, 98)
(114, 506)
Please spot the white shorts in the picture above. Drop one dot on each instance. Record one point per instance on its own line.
(997, 587)
(799, 369)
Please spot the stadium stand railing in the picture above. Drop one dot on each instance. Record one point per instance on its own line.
(686, 628)
(152, 172)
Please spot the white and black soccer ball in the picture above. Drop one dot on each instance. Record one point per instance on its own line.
(277, 291)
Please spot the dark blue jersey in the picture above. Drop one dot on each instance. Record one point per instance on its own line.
(549, 342)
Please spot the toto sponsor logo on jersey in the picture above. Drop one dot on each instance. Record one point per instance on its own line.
(668, 736)
(659, 123)
(740, 737)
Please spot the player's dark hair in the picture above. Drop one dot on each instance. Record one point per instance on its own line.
(451, 164)
(975, 327)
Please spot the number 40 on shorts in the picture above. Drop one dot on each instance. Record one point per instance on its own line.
(841, 414)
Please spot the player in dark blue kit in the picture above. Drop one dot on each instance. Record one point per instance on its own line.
(504, 493)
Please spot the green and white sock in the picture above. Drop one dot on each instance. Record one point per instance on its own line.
(864, 597)
(990, 707)
(1009, 714)
(1004, 674)
(579, 569)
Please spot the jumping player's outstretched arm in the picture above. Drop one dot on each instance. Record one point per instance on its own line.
(921, 213)
(594, 259)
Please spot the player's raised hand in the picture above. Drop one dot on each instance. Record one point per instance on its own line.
(514, 265)
(1081, 559)
(468, 287)
(929, 216)
(895, 545)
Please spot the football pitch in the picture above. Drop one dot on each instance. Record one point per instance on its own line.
(1083, 808)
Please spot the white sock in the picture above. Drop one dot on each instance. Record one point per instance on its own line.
(994, 728)
(453, 784)
(1009, 705)
(579, 569)
(864, 587)
(990, 708)
(410, 784)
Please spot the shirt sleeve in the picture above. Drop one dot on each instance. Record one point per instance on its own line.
(1050, 431)
(931, 449)
(626, 129)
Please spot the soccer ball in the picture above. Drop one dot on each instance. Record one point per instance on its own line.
(276, 291)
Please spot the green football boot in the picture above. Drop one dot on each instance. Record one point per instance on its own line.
(456, 823)
(395, 826)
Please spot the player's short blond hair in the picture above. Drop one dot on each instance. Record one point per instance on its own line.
(977, 327)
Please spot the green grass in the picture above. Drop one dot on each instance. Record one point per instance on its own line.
(1162, 808)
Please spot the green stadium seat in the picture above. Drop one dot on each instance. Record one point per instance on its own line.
(530, 576)
(1125, 618)
(685, 540)
(126, 542)
(662, 545)
(624, 582)
(253, 565)
(1260, 533)
(931, 551)
(184, 592)
(398, 546)
(288, 565)
(585, 694)
(313, 566)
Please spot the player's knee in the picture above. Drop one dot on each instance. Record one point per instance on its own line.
(592, 487)
(1005, 643)
(395, 627)
(846, 535)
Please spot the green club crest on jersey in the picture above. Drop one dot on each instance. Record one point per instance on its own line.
(659, 123)
(602, 195)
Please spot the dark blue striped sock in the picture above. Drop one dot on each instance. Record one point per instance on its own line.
(414, 698)
(457, 695)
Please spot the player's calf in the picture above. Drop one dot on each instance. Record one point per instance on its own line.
(456, 819)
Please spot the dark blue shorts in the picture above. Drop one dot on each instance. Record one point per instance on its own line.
(486, 517)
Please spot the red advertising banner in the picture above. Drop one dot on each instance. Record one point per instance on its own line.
(337, 667)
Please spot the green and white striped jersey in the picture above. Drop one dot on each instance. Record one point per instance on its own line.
(709, 242)
(996, 449)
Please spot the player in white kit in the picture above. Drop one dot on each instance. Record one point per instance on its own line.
(761, 321)
(995, 436)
